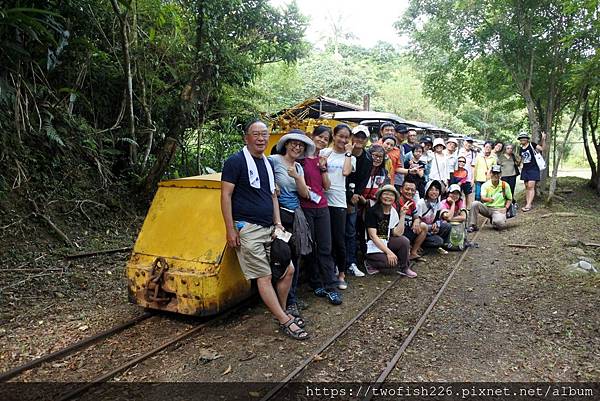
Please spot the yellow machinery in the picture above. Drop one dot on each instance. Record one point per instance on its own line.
(180, 261)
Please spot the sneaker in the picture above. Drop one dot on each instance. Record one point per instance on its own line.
(408, 273)
(372, 270)
(442, 251)
(472, 229)
(342, 285)
(321, 292)
(334, 297)
(353, 269)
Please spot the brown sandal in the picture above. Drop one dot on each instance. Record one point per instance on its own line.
(298, 334)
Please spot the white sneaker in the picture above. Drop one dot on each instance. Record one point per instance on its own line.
(353, 269)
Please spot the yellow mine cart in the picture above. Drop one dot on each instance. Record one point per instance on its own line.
(180, 262)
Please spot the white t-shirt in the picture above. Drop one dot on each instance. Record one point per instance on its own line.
(336, 194)
(439, 168)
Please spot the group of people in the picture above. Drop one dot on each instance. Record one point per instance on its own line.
(323, 200)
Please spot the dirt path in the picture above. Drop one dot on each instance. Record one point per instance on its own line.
(513, 314)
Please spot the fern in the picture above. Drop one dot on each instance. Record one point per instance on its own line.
(51, 131)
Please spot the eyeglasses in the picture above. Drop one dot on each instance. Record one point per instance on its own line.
(462, 161)
(377, 156)
(295, 144)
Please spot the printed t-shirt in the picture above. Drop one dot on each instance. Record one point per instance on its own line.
(314, 180)
(527, 157)
(482, 166)
(288, 191)
(374, 182)
(382, 225)
(336, 194)
(498, 195)
(247, 203)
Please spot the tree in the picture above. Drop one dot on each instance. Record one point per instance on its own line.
(493, 49)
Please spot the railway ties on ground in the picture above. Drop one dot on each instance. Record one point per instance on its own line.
(390, 366)
(71, 349)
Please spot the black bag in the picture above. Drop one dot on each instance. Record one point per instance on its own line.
(512, 210)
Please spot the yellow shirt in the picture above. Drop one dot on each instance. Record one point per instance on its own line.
(482, 166)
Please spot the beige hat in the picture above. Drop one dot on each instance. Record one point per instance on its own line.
(297, 135)
(439, 141)
(387, 188)
(453, 140)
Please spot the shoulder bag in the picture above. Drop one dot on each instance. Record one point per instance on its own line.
(539, 159)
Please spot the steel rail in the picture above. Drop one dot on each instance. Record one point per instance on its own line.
(394, 361)
(326, 344)
(72, 348)
(108, 375)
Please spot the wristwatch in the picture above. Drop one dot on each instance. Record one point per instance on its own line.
(348, 154)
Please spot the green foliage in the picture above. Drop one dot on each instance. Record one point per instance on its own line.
(63, 81)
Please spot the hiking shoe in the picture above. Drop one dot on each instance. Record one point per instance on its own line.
(353, 269)
(321, 292)
(408, 273)
(372, 270)
(334, 297)
(342, 285)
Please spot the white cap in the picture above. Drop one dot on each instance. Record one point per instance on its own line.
(438, 141)
(454, 187)
(361, 128)
(453, 140)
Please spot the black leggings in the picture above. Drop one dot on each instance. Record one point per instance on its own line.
(338, 236)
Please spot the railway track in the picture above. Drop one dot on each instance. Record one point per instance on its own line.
(71, 349)
(78, 389)
(278, 392)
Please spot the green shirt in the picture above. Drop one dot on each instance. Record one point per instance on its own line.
(499, 196)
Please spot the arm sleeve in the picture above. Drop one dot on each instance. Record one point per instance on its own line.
(231, 170)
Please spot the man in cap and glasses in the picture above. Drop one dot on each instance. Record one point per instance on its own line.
(496, 198)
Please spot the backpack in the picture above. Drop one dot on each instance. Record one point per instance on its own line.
(512, 209)
(457, 237)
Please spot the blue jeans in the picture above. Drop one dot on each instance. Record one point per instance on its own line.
(478, 185)
(351, 238)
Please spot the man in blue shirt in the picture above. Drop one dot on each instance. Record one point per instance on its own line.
(250, 210)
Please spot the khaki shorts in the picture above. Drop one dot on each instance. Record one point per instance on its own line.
(254, 249)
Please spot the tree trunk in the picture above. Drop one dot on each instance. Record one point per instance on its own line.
(591, 113)
(560, 152)
(123, 22)
(163, 160)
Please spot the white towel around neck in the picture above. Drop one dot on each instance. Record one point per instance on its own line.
(253, 171)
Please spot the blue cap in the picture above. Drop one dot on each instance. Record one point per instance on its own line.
(468, 139)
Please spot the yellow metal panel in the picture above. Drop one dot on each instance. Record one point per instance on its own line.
(185, 224)
(195, 288)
